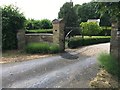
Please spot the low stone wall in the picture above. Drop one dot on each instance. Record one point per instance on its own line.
(42, 37)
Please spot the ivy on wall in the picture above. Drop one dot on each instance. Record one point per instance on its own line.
(12, 20)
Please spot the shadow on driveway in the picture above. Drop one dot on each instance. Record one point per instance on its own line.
(67, 55)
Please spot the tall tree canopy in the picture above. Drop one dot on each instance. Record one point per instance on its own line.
(113, 9)
(70, 17)
(90, 11)
(87, 11)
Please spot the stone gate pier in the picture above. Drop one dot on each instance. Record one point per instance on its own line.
(58, 33)
(57, 37)
(115, 40)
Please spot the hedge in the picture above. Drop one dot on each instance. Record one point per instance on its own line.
(40, 31)
(105, 32)
(12, 20)
(42, 48)
(75, 42)
(90, 28)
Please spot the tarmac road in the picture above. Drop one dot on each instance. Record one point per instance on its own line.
(67, 70)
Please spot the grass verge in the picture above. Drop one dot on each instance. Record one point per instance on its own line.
(42, 48)
(110, 64)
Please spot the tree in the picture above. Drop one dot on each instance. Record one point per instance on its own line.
(29, 24)
(87, 11)
(12, 20)
(113, 9)
(90, 28)
(105, 20)
(38, 24)
(76, 7)
(33, 24)
(46, 24)
(70, 17)
(90, 11)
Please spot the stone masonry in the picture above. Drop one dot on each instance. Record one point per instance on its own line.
(115, 41)
(40, 37)
(58, 33)
(21, 39)
(57, 37)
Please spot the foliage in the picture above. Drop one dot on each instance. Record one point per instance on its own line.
(90, 28)
(40, 31)
(12, 20)
(113, 8)
(33, 24)
(87, 11)
(42, 48)
(105, 32)
(84, 12)
(54, 48)
(105, 20)
(46, 24)
(70, 17)
(90, 11)
(76, 8)
(75, 42)
(109, 63)
(38, 24)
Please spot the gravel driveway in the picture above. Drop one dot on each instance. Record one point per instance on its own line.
(72, 69)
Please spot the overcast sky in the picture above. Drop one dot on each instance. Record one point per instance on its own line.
(40, 9)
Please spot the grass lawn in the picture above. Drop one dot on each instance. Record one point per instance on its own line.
(94, 36)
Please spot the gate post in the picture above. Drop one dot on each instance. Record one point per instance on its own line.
(115, 41)
(58, 33)
(21, 39)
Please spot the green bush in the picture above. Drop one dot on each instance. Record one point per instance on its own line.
(33, 24)
(54, 48)
(90, 28)
(42, 48)
(12, 20)
(75, 42)
(38, 24)
(109, 63)
(46, 24)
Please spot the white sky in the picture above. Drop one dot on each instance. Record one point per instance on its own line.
(40, 9)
